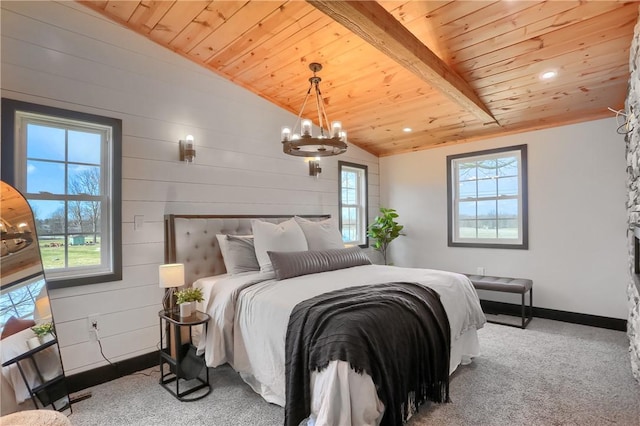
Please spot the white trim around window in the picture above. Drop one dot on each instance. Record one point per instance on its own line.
(487, 198)
(353, 203)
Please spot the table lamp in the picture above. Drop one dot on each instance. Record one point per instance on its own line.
(171, 276)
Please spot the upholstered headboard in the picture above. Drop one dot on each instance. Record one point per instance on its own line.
(191, 240)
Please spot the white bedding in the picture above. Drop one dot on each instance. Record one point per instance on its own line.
(250, 313)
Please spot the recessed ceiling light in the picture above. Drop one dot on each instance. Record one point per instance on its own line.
(548, 75)
(407, 129)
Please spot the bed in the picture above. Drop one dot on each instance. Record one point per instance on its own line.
(250, 311)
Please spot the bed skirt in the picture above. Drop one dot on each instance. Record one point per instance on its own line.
(342, 396)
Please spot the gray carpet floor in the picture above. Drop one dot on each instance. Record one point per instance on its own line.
(552, 373)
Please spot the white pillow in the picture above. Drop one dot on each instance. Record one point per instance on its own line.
(285, 236)
(321, 235)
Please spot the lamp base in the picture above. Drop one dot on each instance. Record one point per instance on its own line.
(168, 301)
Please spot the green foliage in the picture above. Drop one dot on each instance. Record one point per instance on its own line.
(189, 295)
(43, 329)
(384, 230)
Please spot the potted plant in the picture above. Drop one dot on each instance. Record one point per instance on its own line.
(186, 300)
(44, 333)
(384, 230)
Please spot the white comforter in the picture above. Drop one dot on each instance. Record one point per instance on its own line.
(250, 313)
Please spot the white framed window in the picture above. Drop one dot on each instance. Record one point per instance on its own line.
(487, 193)
(353, 203)
(67, 165)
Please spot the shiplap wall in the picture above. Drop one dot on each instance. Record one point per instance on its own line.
(64, 55)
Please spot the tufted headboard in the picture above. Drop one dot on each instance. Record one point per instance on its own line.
(191, 240)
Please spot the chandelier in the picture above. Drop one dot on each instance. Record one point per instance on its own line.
(329, 142)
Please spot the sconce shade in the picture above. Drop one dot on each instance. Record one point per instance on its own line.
(171, 275)
(314, 168)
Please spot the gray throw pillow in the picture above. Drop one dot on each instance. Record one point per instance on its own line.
(240, 255)
(293, 264)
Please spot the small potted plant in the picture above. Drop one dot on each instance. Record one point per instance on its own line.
(44, 333)
(186, 300)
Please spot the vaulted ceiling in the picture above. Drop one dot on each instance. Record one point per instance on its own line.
(452, 71)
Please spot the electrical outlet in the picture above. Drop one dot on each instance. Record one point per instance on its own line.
(93, 326)
(138, 222)
(480, 270)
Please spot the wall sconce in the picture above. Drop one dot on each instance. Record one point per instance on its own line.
(314, 168)
(187, 150)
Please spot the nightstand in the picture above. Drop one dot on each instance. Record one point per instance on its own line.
(179, 354)
(50, 390)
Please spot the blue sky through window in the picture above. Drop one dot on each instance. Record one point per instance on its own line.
(46, 147)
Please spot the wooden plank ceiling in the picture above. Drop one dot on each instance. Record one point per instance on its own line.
(452, 71)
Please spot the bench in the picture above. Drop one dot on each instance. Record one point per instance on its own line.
(506, 285)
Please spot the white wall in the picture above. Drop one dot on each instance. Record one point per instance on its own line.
(64, 55)
(577, 253)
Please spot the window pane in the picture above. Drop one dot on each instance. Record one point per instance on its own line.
(487, 209)
(508, 209)
(84, 216)
(487, 169)
(487, 228)
(83, 251)
(84, 180)
(49, 216)
(467, 210)
(46, 143)
(467, 189)
(508, 166)
(84, 147)
(467, 171)
(349, 196)
(467, 229)
(508, 186)
(487, 188)
(52, 250)
(348, 233)
(45, 177)
(508, 229)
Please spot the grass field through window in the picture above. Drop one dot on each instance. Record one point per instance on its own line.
(488, 233)
(52, 253)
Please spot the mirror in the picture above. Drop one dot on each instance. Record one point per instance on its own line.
(32, 373)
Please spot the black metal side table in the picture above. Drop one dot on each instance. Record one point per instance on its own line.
(184, 366)
(49, 390)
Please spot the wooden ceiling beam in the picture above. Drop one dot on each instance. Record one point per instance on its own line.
(379, 28)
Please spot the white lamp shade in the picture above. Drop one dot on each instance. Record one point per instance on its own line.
(171, 275)
(43, 309)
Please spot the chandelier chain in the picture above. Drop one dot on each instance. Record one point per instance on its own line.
(304, 104)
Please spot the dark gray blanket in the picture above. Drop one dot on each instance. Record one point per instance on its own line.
(398, 333)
